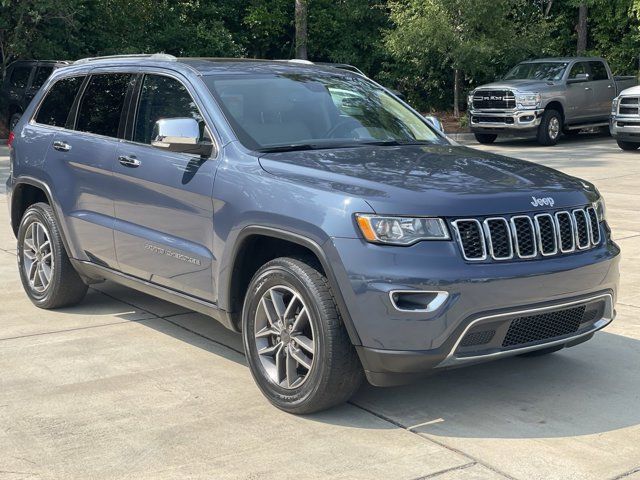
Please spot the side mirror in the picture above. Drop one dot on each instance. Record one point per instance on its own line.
(434, 122)
(181, 135)
(579, 78)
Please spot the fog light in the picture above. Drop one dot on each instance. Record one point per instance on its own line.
(417, 301)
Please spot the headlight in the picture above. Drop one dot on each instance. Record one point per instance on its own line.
(528, 100)
(614, 105)
(470, 100)
(401, 230)
(601, 209)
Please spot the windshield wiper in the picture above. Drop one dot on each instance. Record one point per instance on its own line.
(325, 146)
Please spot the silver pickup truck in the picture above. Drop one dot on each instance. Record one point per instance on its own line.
(546, 97)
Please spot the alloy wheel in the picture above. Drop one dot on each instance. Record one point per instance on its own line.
(37, 257)
(554, 128)
(284, 336)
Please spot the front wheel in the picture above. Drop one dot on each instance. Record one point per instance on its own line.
(297, 347)
(628, 146)
(550, 128)
(486, 138)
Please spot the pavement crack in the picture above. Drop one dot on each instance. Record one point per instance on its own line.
(627, 474)
(447, 470)
(429, 439)
(66, 330)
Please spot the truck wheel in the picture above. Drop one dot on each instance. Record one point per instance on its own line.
(629, 146)
(298, 350)
(45, 270)
(550, 128)
(13, 121)
(486, 138)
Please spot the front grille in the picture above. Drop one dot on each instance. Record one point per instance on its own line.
(544, 326)
(629, 106)
(494, 99)
(527, 236)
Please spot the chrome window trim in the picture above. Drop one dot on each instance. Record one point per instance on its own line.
(607, 318)
(490, 237)
(573, 231)
(592, 211)
(515, 236)
(459, 239)
(435, 304)
(588, 223)
(539, 235)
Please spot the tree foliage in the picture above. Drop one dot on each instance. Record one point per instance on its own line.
(412, 45)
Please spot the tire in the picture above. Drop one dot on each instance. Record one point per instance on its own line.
(333, 372)
(486, 138)
(13, 121)
(550, 128)
(628, 146)
(543, 351)
(40, 250)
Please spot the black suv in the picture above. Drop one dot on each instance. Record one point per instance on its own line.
(22, 81)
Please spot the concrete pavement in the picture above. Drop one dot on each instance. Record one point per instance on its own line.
(128, 386)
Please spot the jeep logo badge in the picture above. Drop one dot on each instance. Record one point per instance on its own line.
(546, 201)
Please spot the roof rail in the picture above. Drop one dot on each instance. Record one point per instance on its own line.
(299, 60)
(151, 56)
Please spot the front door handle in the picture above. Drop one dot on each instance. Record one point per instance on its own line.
(61, 146)
(587, 88)
(129, 161)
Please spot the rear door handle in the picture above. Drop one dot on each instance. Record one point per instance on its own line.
(129, 161)
(587, 88)
(61, 146)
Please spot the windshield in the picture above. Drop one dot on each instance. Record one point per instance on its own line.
(294, 110)
(537, 71)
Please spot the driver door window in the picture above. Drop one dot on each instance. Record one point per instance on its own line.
(162, 97)
(577, 69)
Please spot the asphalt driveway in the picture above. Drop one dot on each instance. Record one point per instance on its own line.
(128, 386)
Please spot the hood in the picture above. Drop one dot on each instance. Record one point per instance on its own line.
(440, 180)
(519, 85)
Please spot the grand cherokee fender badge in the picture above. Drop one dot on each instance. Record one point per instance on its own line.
(540, 202)
(170, 253)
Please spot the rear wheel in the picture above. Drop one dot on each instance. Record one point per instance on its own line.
(550, 128)
(47, 275)
(628, 146)
(298, 350)
(486, 138)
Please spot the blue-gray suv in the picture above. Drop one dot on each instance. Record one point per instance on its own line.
(308, 208)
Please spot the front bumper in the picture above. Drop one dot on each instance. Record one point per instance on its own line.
(501, 121)
(398, 345)
(626, 128)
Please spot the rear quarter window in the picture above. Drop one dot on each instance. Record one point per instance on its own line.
(20, 77)
(57, 103)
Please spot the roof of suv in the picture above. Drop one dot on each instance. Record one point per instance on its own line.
(563, 59)
(206, 66)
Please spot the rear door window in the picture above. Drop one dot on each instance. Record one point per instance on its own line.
(598, 71)
(102, 104)
(162, 97)
(20, 77)
(42, 73)
(55, 107)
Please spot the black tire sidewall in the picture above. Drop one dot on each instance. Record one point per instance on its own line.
(543, 132)
(287, 399)
(38, 213)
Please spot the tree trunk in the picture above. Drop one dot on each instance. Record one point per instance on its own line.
(302, 13)
(548, 10)
(582, 28)
(456, 93)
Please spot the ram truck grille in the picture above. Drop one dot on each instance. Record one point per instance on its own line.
(629, 106)
(494, 99)
(524, 237)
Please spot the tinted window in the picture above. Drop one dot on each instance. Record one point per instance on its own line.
(598, 71)
(20, 77)
(578, 69)
(537, 71)
(41, 75)
(162, 97)
(56, 105)
(102, 104)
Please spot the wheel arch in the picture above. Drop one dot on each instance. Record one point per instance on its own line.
(556, 105)
(256, 245)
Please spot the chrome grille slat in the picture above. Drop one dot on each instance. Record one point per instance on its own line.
(538, 235)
